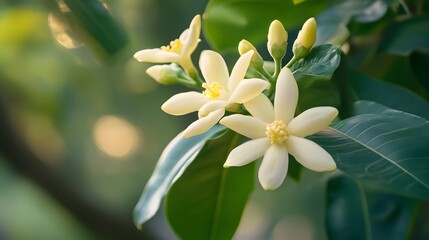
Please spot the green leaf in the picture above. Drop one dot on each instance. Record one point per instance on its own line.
(419, 64)
(96, 26)
(313, 75)
(353, 212)
(176, 157)
(386, 148)
(406, 36)
(390, 95)
(232, 18)
(208, 200)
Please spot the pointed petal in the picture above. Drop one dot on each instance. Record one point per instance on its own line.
(261, 108)
(156, 55)
(247, 90)
(274, 166)
(248, 126)
(239, 70)
(184, 103)
(192, 36)
(247, 152)
(203, 124)
(210, 107)
(214, 68)
(310, 155)
(286, 96)
(312, 121)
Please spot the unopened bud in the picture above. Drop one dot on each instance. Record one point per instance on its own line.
(256, 62)
(277, 40)
(306, 38)
(169, 74)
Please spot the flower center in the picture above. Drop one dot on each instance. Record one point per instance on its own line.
(175, 46)
(277, 132)
(213, 90)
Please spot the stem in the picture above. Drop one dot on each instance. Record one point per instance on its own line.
(405, 7)
(278, 67)
(292, 61)
(266, 75)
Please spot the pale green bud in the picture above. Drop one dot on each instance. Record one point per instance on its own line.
(306, 38)
(277, 40)
(256, 62)
(169, 74)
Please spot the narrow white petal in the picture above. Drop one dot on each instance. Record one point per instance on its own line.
(192, 36)
(312, 121)
(239, 70)
(210, 107)
(247, 90)
(156, 55)
(184, 103)
(286, 96)
(248, 126)
(310, 155)
(274, 166)
(184, 35)
(214, 68)
(261, 107)
(203, 124)
(247, 152)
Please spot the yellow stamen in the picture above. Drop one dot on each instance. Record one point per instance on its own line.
(277, 132)
(175, 46)
(213, 90)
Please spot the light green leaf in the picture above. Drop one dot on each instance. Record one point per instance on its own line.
(174, 160)
(354, 212)
(390, 95)
(385, 148)
(250, 19)
(404, 37)
(208, 200)
(313, 75)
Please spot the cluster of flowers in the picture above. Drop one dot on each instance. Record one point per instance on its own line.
(274, 131)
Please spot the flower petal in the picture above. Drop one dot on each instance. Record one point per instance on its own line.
(248, 126)
(184, 103)
(214, 68)
(274, 166)
(203, 124)
(310, 155)
(261, 107)
(156, 55)
(247, 90)
(312, 121)
(247, 152)
(239, 70)
(286, 96)
(192, 36)
(210, 107)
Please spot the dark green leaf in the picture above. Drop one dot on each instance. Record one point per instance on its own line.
(356, 213)
(383, 147)
(174, 160)
(419, 64)
(208, 200)
(313, 74)
(250, 19)
(404, 37)
(392, 96)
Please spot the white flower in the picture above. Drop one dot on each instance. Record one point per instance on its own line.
(179, 51)
(275, 134)
(223, 91)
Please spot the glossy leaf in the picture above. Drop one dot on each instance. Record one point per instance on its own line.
(313, 74)
(208, 200)
(353, 212)
(390, 95)
(404, 37)
(232, 18)
(382, 147)
(174, 160)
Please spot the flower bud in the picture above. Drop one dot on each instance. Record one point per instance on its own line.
(256, 62)
(277, 40)
(306, 38)
(169, 74)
